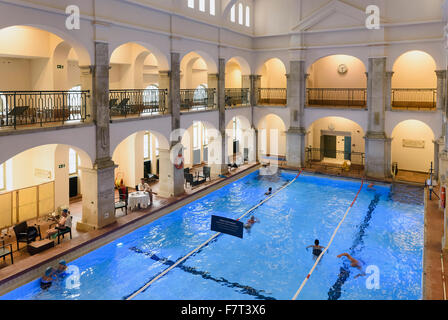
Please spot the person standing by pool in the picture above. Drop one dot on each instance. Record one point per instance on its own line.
(317, 249)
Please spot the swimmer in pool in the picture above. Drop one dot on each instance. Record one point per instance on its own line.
(317, 249)
(250, 223)
(354, 264)
(269, 192)
(62, 268)
(47, 280)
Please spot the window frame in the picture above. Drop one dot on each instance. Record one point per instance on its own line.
(240, 14)
(75, 173)
(247, 22)
(233, 14)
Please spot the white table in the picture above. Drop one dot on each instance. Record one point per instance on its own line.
(138, 198)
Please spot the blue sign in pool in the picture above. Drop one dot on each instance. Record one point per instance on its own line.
(227, 226)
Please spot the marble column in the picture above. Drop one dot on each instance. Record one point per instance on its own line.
(389, 75)
(255, 84)
(437, 144)
(171, 179)
(221, 167)
(377, 143)
(174, 92)
(98, 191)
(441, 89)
(296, 94)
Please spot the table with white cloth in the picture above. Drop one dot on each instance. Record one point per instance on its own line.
(138, 199)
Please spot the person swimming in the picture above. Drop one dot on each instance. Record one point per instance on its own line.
(61, 271)
(354, 263)
(269, 192)
(317, 249)
(250, 223)
(47, 280)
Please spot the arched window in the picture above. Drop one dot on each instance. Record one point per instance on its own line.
(240, 13)
(232, 14)
(73, 162)
(202, 5)
(212, 7)
(236, 129)
(151, 95)
(191, 4)
(200, 94)
(247, 16)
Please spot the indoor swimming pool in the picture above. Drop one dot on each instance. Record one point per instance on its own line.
(271, 261)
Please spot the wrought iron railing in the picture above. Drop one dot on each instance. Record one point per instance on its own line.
(336, 97)
(138, 102)
(421, 99)
(237, 97)
(272, 96)
(197, 99)
(18, 108)
(317, 154)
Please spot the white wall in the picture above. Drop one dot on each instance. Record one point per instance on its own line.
(413, 159)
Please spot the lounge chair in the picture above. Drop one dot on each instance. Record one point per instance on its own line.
(26, 234)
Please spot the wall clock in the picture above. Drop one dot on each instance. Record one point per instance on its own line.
(342, 69)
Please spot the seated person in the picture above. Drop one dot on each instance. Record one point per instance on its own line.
(64, 222)
(47, 280)
(143, 186)
(121, 186)
(62, 268)
(269, 192)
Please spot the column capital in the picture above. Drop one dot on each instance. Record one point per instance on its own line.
(441, 73)
(165, 73)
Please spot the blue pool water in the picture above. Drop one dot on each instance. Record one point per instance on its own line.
(271, 261)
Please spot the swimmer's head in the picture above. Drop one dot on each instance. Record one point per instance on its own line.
(48, 271)
(316, 242)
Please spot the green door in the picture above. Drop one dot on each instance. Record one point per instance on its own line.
(330, 147)
(348, 148)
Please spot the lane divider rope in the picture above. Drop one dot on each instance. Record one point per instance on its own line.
(329, 244)
(206, 242)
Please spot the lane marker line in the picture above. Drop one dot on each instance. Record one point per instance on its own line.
(206, 242)
(329, 244)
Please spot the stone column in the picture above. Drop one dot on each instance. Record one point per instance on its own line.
(377, 143)
(213, 83)
(86, 84)
(164, 84)
(295, 136)
(221, 168)
(171, 179)
(389, 75)
(255, 84)
(174, 91)
(98, 191)
(437, 144)
(441, 89)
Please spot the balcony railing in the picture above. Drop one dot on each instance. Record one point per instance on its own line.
(18, 108)
(197, 99)
(336, 97)
(137, 102)
(272, 96)
(237, 97)
(420, 99)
